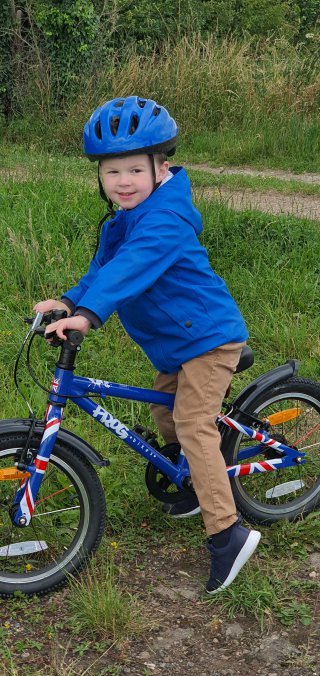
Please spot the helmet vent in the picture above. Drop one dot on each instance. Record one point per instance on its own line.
(97, 129)
(114, 124)
(119, 104)
(134, 124)
(141, 103)
(156, 111)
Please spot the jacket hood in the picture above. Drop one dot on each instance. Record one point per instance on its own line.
(173, 195)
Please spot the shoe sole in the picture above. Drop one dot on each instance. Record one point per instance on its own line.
(195, 511)
(247, 550)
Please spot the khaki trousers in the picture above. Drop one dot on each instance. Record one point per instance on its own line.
(200, 387)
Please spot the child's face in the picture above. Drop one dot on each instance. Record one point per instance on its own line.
(128, 180)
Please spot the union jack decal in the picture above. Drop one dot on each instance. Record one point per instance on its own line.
(254, 467)
(55, 384)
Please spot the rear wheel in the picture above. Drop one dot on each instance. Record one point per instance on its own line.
(293, 409)
(66, 527)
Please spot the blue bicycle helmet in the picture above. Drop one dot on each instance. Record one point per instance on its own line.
(129, 126)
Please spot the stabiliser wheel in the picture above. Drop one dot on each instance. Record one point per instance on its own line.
(159, 485)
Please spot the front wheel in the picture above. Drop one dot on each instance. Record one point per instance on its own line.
(66, 526)
(293, 409)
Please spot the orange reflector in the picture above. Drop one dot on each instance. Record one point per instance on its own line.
(284, 416)
(11, 473)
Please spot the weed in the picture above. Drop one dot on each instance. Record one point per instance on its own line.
(82, 648)
(295, 610)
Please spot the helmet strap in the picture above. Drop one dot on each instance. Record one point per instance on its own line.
(111, 211)
(153, 169)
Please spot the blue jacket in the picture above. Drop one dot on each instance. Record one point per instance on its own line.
(151, 268)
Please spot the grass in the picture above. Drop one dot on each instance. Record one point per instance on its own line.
(49, 231)
(265, 595)
(235, 101)
(100, 608)
(16, 163)
(270, 142)
(271, 264)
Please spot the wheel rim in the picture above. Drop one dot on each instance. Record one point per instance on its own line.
(290, 488)
(59, 525)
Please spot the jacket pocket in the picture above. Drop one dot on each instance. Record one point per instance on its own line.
(189, 313)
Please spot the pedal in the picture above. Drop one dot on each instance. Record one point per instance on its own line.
(146, 435)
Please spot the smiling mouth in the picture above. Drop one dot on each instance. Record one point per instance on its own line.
(126, 194)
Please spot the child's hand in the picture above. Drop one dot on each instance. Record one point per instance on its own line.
(78, 322)
(47, 305)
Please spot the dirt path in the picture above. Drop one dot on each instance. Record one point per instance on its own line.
(262, 173)
(268, 201)
(184, 635)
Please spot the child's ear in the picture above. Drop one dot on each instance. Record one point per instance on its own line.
(163, 171)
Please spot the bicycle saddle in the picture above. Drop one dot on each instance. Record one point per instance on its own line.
(246, 359)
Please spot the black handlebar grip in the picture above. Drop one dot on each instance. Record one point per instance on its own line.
(74, 337)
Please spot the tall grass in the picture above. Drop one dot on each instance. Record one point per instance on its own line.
(234, 101)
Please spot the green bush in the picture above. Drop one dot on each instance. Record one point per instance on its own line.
(309, 16)
(66, 32)
(264, 17)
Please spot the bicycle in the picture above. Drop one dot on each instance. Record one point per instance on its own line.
(48, 483)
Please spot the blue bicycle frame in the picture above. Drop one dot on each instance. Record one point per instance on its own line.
(66, 385)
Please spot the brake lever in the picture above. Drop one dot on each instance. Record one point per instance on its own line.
(34, 321)
(37, 321)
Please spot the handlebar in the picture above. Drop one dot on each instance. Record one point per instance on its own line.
(74, 337)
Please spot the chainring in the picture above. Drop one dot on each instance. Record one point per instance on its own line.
(159, 484)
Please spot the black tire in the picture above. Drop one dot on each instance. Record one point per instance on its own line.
(67, 524)
(258, 496)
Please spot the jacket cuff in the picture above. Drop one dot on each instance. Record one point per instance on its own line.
(91, 316)
(68, 303)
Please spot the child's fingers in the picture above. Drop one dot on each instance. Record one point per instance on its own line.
(50, 304)
(80, 323)
(44, 306)
(59, 327)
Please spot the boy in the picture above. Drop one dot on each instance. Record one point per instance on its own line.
(152, 270)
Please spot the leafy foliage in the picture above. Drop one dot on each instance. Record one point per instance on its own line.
(67, 32)
(263, 17)
(309, 16)
(51, 43)
(6, 40)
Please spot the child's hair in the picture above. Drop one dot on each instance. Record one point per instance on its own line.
(161, 157)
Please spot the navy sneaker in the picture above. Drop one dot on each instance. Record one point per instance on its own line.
(188, 507)
(228, 560)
